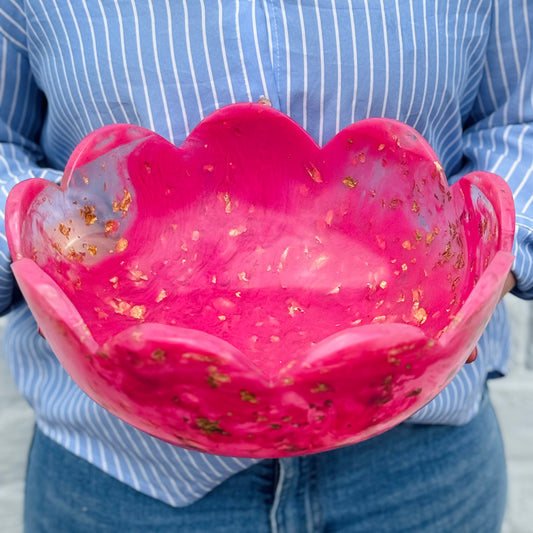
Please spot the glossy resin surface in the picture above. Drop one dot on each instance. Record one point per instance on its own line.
(250, 293)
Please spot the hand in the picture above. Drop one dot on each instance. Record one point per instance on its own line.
(510, 282)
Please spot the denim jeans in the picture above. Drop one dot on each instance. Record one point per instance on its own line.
(414, 478)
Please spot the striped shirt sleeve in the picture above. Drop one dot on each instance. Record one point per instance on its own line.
(22, 108)
(500, 133)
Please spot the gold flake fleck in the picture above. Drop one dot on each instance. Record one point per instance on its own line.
(215, 379)
(381, 147)
(161, 296)
(111, 226)
(482, 226)
(350, 182)
(159, 355)
(124, 204)
(460, 263)
(274, 338)
(248, 397)
(234, 232)
(120, 307)
(138, 312)
(314, 173)
(320, 387)
(404, 267)
(137, 275)
(415, 208)
(393, 360)
(224, 197)
(417, 295)
(77, 256)
(85, 179)
(455, 282)
(198, 357)
(395, 203)
(210, 426)
(88, 215)
(448, 254)
(92, 249)
(121, 245)
(420, 315)
(383, 284)
(265, 101)
(65, 230)
(242, 276)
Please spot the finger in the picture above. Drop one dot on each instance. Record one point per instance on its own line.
(473, 355)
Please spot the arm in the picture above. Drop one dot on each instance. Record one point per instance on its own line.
(499, 132)
(22, 110)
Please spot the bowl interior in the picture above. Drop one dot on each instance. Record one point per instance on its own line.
(266, 241)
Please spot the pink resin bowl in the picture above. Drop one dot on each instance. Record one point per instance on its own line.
(253, 294)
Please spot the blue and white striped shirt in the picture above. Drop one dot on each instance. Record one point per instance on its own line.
(459, 71)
